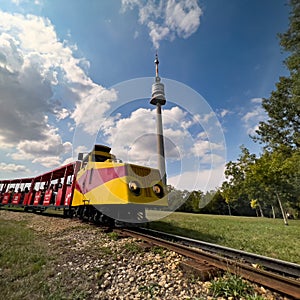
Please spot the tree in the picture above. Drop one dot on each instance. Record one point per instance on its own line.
(213, 203)
(176, 198)
(290, 170)
(283, 107)
(255, 205)
(278, 167)
(269, 172)
(234, 189)
(192, 203)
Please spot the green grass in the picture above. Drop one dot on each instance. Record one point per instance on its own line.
(22, 260)
(29, 264)
(133, 247)
(230, 286)
(269, 237)
(47, 211)
(234, 287)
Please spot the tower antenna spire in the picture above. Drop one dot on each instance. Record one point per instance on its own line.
(156, 61)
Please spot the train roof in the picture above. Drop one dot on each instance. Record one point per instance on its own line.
(60, 172)
(102, 148)
(17, 180)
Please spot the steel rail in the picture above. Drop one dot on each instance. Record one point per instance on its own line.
(282, 284)
(267, 263)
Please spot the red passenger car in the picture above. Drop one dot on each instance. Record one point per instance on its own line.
(53, 189)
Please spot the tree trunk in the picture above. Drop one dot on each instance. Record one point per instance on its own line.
(282, 210)
(229, 209)
(273, 212)
(261, 211)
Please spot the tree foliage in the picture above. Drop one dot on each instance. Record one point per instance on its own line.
(283, 106)
(213, 203)
(269, 182)
(192, 202)
(272, 180)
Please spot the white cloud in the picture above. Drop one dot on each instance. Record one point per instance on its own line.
(204, 180)
(31, 56)
(202, 147)
(175, 114)
(48, 162)
(252, 118)
(256, 100)
(37, 73)
(19, 2)
(204, 118)
(90, 112)
(183, 17)
(224, 112)
(12, 168)
(47, 153)
(62, 114)
(81, 149)
(184, 149)
(133, 143)
(167, 19)
(138, 142)
(158, 33)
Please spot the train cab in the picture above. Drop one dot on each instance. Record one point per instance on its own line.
(118, 189)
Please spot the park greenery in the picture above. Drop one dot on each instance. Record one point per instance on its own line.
(249, 234)
(267, 184)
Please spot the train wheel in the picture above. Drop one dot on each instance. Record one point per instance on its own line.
(76, 212)
(67, 213)
(97, 217)
(80, 212)
(71, 213)
(105, 220)
(86, 213)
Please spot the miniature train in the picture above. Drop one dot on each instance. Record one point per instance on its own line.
(97, 187)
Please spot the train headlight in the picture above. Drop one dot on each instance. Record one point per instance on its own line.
(134, 187)
(158, 190)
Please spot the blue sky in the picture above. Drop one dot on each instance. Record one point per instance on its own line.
(76, 72)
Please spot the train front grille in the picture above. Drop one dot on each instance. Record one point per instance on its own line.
(140, 171)
(146, 177)
(147, 192)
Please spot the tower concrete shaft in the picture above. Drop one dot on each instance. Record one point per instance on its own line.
(158, 99)
(160, 144)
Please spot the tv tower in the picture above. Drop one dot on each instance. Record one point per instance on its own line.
(158, 99)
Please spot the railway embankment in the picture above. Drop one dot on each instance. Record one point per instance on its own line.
(54, 258)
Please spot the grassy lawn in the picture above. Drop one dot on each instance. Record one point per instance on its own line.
(23, 260)
(269, 237)
(33, 263)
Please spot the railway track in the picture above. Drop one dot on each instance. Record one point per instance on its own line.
(278, 275)
(270, 264)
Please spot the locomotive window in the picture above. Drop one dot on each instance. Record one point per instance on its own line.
(85, 161)
(100, 158)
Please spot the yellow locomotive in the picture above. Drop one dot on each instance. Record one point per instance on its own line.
(107, 188)
(97, 187)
